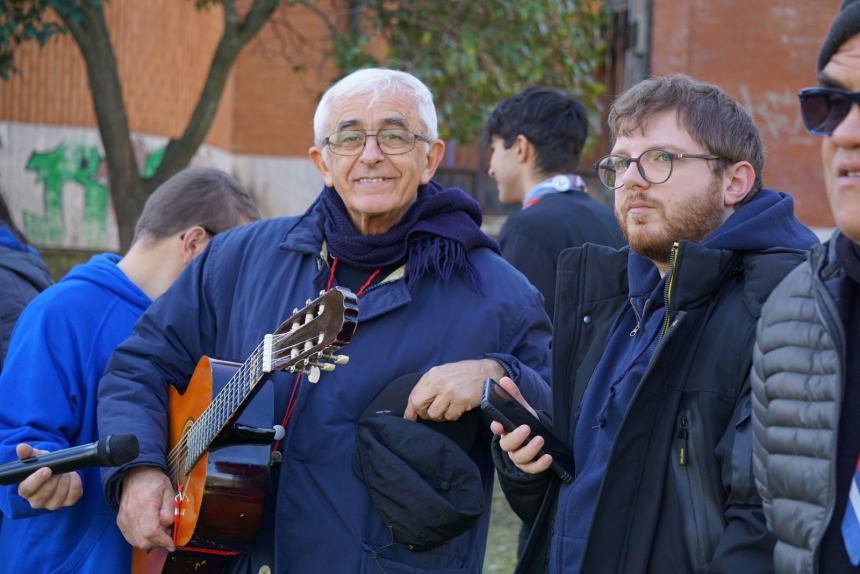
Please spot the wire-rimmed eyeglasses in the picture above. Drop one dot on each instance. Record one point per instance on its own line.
(654, 165)
(391, 141)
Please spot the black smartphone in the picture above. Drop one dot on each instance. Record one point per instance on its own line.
(502, 407)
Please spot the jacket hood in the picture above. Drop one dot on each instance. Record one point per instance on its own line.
(28, 265)
(102, 270)
(767, 221)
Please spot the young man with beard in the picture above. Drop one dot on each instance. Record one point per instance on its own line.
(806, 370)
(652, 349)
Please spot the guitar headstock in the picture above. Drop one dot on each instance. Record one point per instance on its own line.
(309, 339)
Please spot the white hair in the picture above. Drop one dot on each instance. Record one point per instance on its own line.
(373, 83)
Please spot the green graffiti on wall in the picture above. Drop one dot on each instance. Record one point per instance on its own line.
(54, 169)
(81, 165)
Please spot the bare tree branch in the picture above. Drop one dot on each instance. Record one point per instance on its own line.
(236, 34)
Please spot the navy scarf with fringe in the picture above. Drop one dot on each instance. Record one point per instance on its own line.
(434, 236)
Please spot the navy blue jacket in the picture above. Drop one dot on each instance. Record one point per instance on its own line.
(57, 355)
(245, 283)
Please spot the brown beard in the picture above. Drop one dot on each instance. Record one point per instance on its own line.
(700, 216)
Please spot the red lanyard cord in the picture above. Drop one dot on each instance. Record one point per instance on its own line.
(360, 289)
(291, 404)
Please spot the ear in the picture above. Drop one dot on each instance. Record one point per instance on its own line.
(194, 240)
(316, 155)
(435, 153)
(738, 180)
(523, 148)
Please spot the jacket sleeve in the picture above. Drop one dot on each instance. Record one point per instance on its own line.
(760, 406)
(526, 353)
(524, 492)
(746, 544)
(163, 349)
(41, 391)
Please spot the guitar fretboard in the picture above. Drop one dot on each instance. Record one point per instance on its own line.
(224, 407)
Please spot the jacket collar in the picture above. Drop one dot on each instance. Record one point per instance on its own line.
(697, 272)
(305, 234)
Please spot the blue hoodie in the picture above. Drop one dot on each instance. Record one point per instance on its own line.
(48, 386)
(766, 221)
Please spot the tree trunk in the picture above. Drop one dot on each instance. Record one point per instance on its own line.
(124, 181)
(128, 189)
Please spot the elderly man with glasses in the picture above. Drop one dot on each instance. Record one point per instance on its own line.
(652, 347)
(434, 298)
(806, 368)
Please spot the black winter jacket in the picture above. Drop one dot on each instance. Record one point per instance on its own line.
(658, 511)
(532, 239)
(22, 276)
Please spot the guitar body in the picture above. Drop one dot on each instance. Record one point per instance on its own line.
(225, 490)
(221, 433)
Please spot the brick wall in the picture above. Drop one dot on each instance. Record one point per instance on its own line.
(274, 103)
(163, 49)
(762, 52)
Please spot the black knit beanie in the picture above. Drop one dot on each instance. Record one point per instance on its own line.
(845, 25)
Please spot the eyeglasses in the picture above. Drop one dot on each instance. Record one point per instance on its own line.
(823, 109)
(654, 165)
(391, 141)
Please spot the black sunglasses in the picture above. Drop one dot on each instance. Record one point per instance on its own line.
(823, 109)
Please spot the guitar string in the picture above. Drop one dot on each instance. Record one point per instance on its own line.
(237, 389)
(236, 383)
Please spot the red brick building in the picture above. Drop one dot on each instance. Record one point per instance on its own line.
(761, 51)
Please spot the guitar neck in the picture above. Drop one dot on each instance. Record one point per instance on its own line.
(227, 405)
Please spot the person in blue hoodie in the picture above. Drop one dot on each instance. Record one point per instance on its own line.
(652, 349)
(58, 352)
(23, 275)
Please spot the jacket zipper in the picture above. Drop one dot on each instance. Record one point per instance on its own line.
(639, 317)
(670, 283)
(683, 435)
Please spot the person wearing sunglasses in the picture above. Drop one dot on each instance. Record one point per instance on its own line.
(652, 348)
(806, 372)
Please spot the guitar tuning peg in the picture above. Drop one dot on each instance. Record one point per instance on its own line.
(339, 359)
(327, 367)
(307, 301)
(314, 374)
(322, 292)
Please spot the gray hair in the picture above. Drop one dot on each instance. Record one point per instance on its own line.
(373, 82)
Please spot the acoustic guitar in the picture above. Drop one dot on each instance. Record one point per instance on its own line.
(220, 445)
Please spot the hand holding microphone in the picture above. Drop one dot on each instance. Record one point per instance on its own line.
(48, 479)
(43, 488)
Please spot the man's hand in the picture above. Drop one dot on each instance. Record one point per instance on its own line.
(146, 509)
(445, 392)
(43, 489)
(521, 453)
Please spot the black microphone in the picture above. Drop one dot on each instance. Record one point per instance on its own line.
(113, 450)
